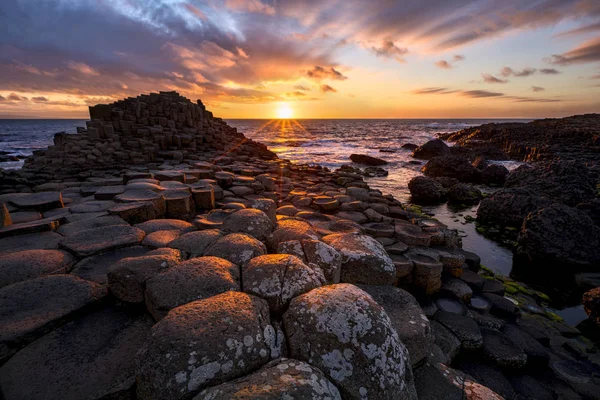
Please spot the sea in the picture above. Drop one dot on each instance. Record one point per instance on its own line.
(326, 142)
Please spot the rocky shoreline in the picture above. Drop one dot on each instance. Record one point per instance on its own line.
(159, 254)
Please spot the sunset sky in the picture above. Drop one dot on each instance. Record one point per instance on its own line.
(312, 58)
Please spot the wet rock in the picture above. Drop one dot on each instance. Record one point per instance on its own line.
(90, 358)
(494, 174)
(195, 279)
(591, 304)
(426, 190)
(195, 243)
(473, 279)
(42, 201)
(250, 221)
(359, 349)
(94, 268)
(433, 148)
(465, 329)
(453, 167)
(290, 229)
(560, 235)
(464, 194)
(204, 343)
(501, 306)
(501, 351)
(407, 318)
(91, 241)
(78, 226)
(31, 308)
(238, 248)
(278, 278)
(127, 278)
(364, 260)
(367, 160)
(457, 289)
(451, 305)
(280, 379)
(24, 265)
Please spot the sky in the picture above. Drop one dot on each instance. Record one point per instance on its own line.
(304, 58)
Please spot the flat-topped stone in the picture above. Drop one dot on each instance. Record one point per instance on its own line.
(19, 217)
(196, 243)
(108, 192)
(31, 308)
(94, 268)
(29, 264)
(164, 225)
(42, 201)
(91, 241)
(91, 206)
(90, 358)
(465, 329)
(32, 241)
(78, 226)
(204, 343)
(40, 225)
(195, 279)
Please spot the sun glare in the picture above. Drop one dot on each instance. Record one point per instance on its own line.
(284, 112)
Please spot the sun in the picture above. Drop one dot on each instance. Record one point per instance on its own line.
(285, 112)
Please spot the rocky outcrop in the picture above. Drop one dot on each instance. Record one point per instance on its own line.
(511, 206)
(433, 148)
(457, 167)
(367, 160)
(426, 190)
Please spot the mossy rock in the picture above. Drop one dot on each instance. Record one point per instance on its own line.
(554, 317)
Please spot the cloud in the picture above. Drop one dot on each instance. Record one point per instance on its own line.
(16, 97)
(443, 64)
(507, 71)
(488, 78)
(296, 93)
(585, 53)
(319, 73)
(578, 31)
(252, 6)
(388, 49)
(82, 68)
(40, 99)
(537, 89)
(549, 71)
(482, 94)
(327, 88)
(301, 87)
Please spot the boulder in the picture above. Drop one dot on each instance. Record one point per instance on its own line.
(494, 174)
(90, 358)
(23, 265)
(510, 206)
(407, 318)
(560, 235)
(325, 257)
(453, 167)
(268, 206)
(280, 379)
(164, 225)
(278, 278)
(458, 289)
(342, 331)
(204, 343)
(463, 193)
(127, 278)
(591, 304)
(367, 160)
(250, 221)
(433, 148)
(92, 241)
(238, 248)
(290, 229)
(195, 279)
(364, 259)
(160, 239)
(31, 308)
(426, 190)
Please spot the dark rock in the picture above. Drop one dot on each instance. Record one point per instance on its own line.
(40, 225)
(90, 358)
(501, 306)
(510, 206)
(238, 248)
(409, 146)
(427, 273)
(446, 182)
(592, 209)
(446, 340)
(195, 279)
(91, 241)
(465, 329)
(457, 289)
(451, 305)
(250, 221)
(464, 194)
(473, 279)
(490, 377)
(364, 260)
(453, 167)
(493, 286)
(536, 353)
(31, 308)
(164, 225)
(367, 160)
(78, 226)
(559, 235)
(494, 174)
(501, 351)
(432, 384)
(24, 265)
(433, 148)
(290, 229)
(480, 162)
(33, 241)
(196, 243)
(357, 342)
(426, 190)
(204, 343)
(528, 388)
(280, 379)
(42, 201)
(94, 268)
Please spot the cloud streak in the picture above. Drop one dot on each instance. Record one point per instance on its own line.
(483, 94)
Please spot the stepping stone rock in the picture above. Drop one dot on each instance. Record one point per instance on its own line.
(465, 329)
(427, 273)
(528, 388)
(494, 287)
(94, 268)
(501, 306)
(20, 217)
(165, 225)
(204, 343)
(278, 278)
(145, 196)
(29, 264)
(267, 206)
(31, 308)
(91, 206)
(379, 229)
(446, 340)
(91, 241)
(489, 376)
(204, 198)
(250, 221)
(179, 203)
(32, 241)
(501, 351)
(195, 279)
(195, 243)
(90, 358)
(160, 239)
(407, 318)
(41, 225)
(457, 289)
(238, 248)
(473, 279)
(78, 226)
(287, 210)
(290, 229)
(170, 176)
(42, 201)
(451, 305)
(411, 235)
(358, 348)
(536, 353)
(127, 278)
(108, 192)
(364, 259)
(358, 193)
(280, 379)
(135, 213)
